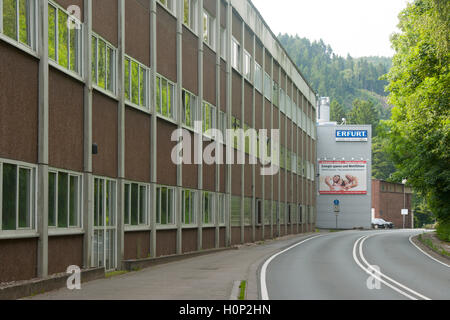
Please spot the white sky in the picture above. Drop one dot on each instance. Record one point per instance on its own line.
(358, 27)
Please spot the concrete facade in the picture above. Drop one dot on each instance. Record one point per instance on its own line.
(73, 206)
(355, 209)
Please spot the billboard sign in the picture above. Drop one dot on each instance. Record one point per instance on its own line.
(352, 135)
(343, 177)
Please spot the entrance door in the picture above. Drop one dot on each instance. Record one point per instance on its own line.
(105, 224)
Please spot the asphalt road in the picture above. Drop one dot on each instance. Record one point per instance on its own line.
(355, 265)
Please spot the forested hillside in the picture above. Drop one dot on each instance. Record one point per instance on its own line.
(342, 79)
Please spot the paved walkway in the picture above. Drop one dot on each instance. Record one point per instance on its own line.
(209, 277)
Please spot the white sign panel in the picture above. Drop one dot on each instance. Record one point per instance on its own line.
(404, 212)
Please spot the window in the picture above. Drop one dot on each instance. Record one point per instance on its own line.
(208, 208)
(17, 197)
(169, 4)
(258, 77)
(236, 125)
(103, 64)
(267, 86)
(209, 30)
(235, 211)
(247, 66)
(276, 94)
(165, 98)
(165, 206)
(223, 43)
(189, 109)
(288, 107)
(209, 116)
(136, 79)
(64, 43)
(259, 212)
(282, 101)
(300, 214)
(248, 211)
(64, 199)
(18, 21)
(137, 204)
(236, 55)
(190, 14)
(299, 116)
(223, 123)
(189, 207)
(221, 208)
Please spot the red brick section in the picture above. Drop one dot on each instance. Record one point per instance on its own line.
(388, 201)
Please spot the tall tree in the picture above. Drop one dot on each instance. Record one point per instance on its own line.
(419, 82)
(337, 112)
(363, 112)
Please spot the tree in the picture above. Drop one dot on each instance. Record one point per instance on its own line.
(363, 112)
(337, 112)
(419, 82)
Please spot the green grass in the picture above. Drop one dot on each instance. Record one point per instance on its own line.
(430, 245)
(115, 273)
(443, 231)
(242, 292)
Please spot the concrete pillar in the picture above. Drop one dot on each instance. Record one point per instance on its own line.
(218, 105)
(229, 114)
(200, 99)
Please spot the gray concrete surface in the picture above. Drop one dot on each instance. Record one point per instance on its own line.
(324, 268)
(209, 277)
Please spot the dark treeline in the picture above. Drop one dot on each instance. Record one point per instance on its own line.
(341, 79)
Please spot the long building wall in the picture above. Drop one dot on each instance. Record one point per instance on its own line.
(86, 120)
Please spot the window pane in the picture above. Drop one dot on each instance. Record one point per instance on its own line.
(94, 60)
(96, 201)
(62, 39)
(73, 49)
(73, 214)
(127, 204)
(51, 32)
(135, 82)
(9, 197)
(186, 12)
(164, 97)
(101, 199)
(170, 92)
(9, 19)
(170, 219)
(110, 70)
(158, 205)
(143, 205)
(158, 95)
(142, 86)
(52, 199)
(163, 206)
(127, 79)
(24, 20)
(134, 204)
(63, 193)
(101, 64)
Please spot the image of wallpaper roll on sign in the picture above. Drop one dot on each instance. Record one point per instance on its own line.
(343, 177)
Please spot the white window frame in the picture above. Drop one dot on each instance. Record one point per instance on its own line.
(223, 43)
(211, 218)
(141, 105)
(193, 107)
(191, 24)
(79, 177)
(221, 212)
(268, 85)
(145, 213)
(209, 30)
(114, 65)
(169, 5)
(212, 114)
(79, 44)
(33, 197)
(236, 55)
(33, 28)
(158, 210)
(193, 199)
(258, 77)
(171, 116)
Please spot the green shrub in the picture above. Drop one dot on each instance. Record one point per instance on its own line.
(443, 231)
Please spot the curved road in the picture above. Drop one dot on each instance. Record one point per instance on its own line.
(344, 265)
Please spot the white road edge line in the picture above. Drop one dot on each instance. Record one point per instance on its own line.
(429, 256)
(264, 292)
(379, 278)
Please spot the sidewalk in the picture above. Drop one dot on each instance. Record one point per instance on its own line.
(209, 277)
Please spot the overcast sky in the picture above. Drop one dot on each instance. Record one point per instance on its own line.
(358, 27)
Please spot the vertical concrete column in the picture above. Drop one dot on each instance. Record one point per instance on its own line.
(179, 103)
(291, 180)
(200, 99)
(264, 126)
(285, 197)
(254, 204)
(229, 14)
(242, 93)
(297, 152)
(154, 131)
(274, 205)
(121, 133)
(218, 104)
(42, 174)
(280, 199)
(88, 191)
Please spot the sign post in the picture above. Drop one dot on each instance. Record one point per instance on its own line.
(337, 210)
(404, 214)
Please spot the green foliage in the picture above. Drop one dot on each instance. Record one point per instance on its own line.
(419, 82)
(341, 79)
(363, 112)
(242, 291)
(443, 231)
(337, 112)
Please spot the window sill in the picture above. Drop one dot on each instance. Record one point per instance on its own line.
(137, 228)
(20, 46)
(105, 92)
(162, 117)
(68, 72)
(166, 227)
(137, 107)
(52, 232)
(18, 234)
